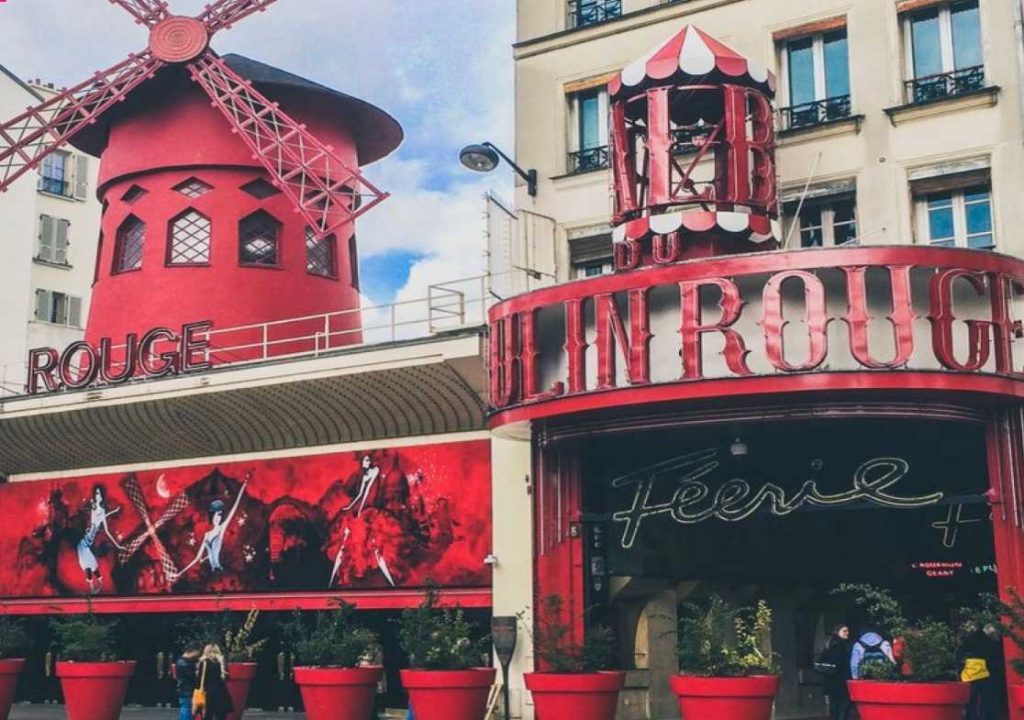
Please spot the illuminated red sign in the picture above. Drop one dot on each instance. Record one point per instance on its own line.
(770, 314)
(160, 352)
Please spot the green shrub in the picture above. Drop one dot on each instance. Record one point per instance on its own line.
(85, 638)
(719, 639)
(554, 647)
(14, 638)
(930, 652)
(237, 638)
(330, 638)
(439, 638)
(879, 671)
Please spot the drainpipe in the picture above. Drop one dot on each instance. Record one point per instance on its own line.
(1018, 28)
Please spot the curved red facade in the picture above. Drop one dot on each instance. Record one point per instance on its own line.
(193, 230)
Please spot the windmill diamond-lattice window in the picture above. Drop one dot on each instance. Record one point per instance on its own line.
(193, 188)
(131, 240)
(320, 255)
(134, 193)
(258, 237)
(190, 240)
(260, 189)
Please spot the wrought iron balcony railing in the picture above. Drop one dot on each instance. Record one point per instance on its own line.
(937, 87)
(815, 113)
(591, 12)
(583, 161)
(54, 186)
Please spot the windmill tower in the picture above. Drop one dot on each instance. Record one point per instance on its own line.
(230, 188)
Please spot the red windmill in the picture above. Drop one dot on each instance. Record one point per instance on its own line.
(280, 179)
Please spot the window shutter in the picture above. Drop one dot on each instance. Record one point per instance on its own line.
(47, 233)
(42, 305)
(81, 177)
(60, 253)
(74, 311)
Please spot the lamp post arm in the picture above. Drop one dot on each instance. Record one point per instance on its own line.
(530, 176)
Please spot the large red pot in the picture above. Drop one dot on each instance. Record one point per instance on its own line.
(240, 677)
(448, 694)
(338, 693)
(725, 698)
(594, 696)
(909, 701)
(10, 670)
(94, 691)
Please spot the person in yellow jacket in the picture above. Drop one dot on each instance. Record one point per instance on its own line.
(983, 669)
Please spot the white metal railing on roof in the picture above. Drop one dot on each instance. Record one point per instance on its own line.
(448, 306)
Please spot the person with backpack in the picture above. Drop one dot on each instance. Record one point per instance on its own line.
(186, 680)
(869, 648)
(834, 666)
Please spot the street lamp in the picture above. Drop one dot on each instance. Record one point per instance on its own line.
(484, 157)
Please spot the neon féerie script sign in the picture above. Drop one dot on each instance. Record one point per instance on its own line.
(693, 501)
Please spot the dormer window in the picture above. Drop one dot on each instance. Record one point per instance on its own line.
(190, 239)
(258, 236)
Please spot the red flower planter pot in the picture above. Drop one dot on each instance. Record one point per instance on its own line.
(448, 694)
(94, 691)
(909, 701)
(594, 696)
(732, 698)
(1016, 697)
(338, 693)
(10, 671)
(240, 677)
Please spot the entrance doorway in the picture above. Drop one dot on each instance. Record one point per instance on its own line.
(784, 511)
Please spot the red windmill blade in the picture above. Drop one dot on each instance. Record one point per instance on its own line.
(324, 190)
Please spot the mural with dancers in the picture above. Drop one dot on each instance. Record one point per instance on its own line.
(394, 517)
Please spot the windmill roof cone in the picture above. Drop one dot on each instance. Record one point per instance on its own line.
(230, 187)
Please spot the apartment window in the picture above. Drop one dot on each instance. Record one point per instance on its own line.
(589, 131)
(131, 241)
(258, 240)
(590, 254)
(320, 255)
(826, 222)
(944, 55)
(58, 308)
(54, 237)
(957, 217)
(818, 79)
(189, 239)
(591, 12)
(64, 174)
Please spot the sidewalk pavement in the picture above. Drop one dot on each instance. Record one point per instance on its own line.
(56, 712)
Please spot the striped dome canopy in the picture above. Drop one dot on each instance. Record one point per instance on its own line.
(691, 57)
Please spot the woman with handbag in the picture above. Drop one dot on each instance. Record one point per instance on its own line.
(212, 675)
(834, 665)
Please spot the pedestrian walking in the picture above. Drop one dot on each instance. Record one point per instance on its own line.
(834, 666)
(213, 675)
(186, 680)
(869, 648)
(983, 670)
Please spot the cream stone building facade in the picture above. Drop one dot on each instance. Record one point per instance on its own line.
(898, 122)
(50, 222)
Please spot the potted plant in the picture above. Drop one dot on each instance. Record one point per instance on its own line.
(1009, 618)
(727, 668)
(93, 681)
(239, 645)
(333, 673)
(574, 679)
(445, 680)
(13, 640)
(925, 686)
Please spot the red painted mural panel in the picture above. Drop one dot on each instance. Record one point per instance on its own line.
(355, 520)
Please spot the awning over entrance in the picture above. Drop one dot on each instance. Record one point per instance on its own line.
(402, 389)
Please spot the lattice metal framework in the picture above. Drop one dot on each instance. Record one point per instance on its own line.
(190, 239)
(131, 242)
(325, 191)
(193, 188)
(258, 239)
(321, 255)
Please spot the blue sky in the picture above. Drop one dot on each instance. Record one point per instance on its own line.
(443, 68)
